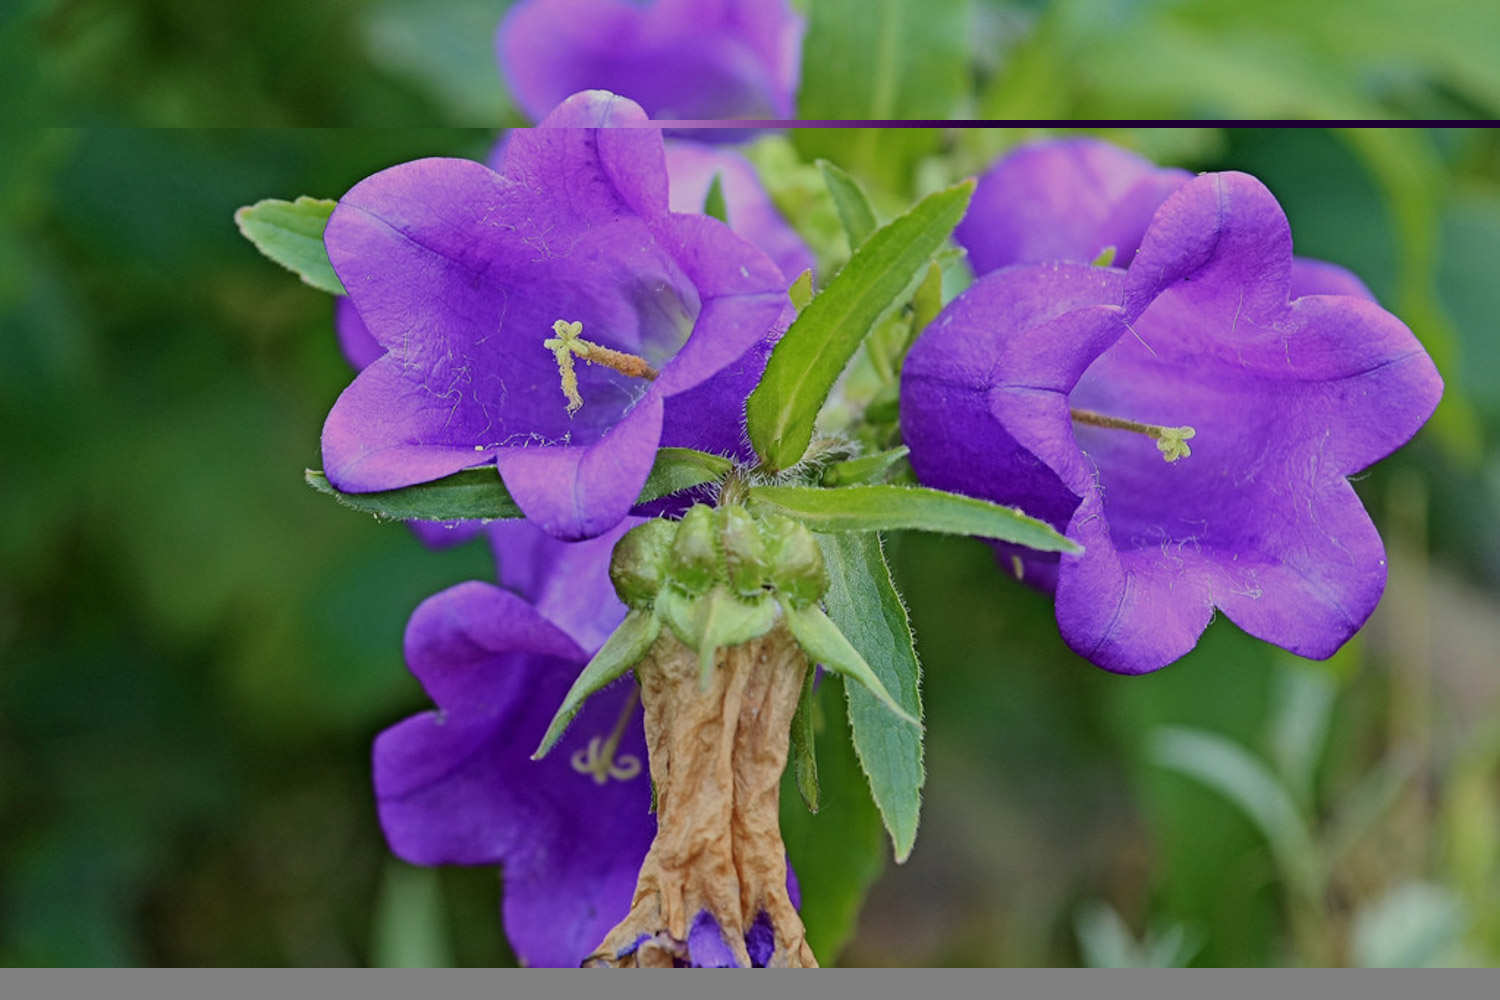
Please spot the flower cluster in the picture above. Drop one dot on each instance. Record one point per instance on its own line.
(1142, 363)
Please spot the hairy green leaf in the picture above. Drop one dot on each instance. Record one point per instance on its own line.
(850, 201)
(862, 601)
(291, 234)
(804, 749)
(808, 359)
(479, 495)
(884, 507)
(839, 853)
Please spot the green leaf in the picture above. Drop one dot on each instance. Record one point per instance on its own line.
(678, 469)
(850, 201)
(862, 601)
(473, 494)
(884, 507)
(821, 639)
(808, 359)
(881, 59)
(1234, 773)
(291, 234)
(864, 469)
(801, 290)
(804, 745)
(479, 495)
(840, 852)
(713, 202)
(621, 651)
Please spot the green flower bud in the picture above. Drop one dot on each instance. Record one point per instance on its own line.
(638, 567)
(744, 552)
(697, 562)
(797, 569)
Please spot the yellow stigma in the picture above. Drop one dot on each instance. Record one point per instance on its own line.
(569, 343)
(1170, 441)
(598, 759)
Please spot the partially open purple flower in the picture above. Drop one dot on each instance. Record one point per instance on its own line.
(1072, 199)
(1188, 422)
(479, 284)
(678, 59)
(457, 785)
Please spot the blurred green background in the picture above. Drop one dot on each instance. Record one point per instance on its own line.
(195, 650)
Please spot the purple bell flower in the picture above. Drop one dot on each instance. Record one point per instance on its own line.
(479, 284)
(678, 59)
(1192, 422)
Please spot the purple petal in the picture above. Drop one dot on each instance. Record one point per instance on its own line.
(591, 139)
(1319, 277)
(751, 213)
(706, 946)
(567, 581)
(1224, 245)
(984, 390)
(452, 633)
(354, 338)
(578, 492)
(1065, 200)
(690, 59)
(741, 291)
(760, 940)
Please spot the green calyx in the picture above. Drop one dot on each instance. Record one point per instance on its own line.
(719, 549)
(719, 577)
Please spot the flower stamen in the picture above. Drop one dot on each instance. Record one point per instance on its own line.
(598, 759)
(1170, 441)
(569, 344)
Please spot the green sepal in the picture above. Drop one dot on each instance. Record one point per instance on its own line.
(625, 647)
(804, 743)
(744, 552)
(821, 639)
(697, 562)
(714, 620)
(797, 569)
(638, 565)
(291, 234)
(713, 202)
